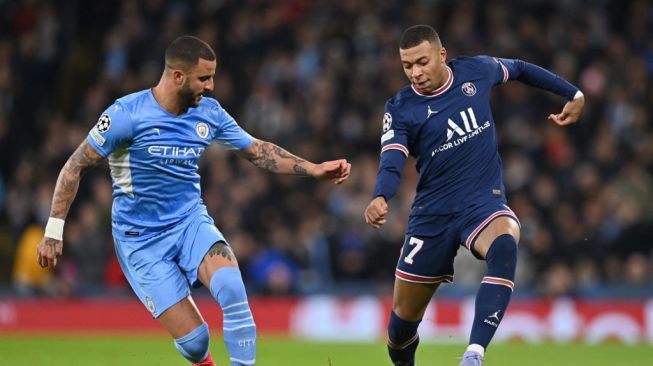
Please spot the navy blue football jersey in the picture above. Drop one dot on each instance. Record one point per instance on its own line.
(452, 136)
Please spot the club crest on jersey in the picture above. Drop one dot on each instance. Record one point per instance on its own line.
(387, 121)
(202, 129)
(103, 123)
(469, 89)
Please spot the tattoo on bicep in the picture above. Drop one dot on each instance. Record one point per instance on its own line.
(82, 159)
(221, 248)
(68, 182)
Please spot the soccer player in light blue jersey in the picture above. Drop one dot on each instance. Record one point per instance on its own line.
(443, 119)
(164, 238)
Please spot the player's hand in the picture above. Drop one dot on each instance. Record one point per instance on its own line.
(570, 113)
(376, 212)
(49, 250)
(333, 169)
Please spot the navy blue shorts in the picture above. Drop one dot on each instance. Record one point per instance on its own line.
(432, 242)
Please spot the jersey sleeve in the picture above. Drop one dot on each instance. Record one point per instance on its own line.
(112, 130)
(230, 135)
(498, 73)
(504, 69)
(395, 131)
(394, 150)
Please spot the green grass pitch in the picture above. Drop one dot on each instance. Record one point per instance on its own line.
(137, 350)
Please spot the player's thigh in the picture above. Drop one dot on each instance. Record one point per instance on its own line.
(409, 300)
(499, 226)
(425, 262)
(152, 272)
(181, 318)
(482, 224)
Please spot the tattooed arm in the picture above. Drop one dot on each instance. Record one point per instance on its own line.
(85, 157)
(271, 157)
(82, 159)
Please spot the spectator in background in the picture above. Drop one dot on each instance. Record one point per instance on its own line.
(28, 278)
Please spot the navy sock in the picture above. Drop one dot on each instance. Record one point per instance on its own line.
(402, 340)
(496, 288)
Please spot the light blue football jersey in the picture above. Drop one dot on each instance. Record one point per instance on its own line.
(153, 156)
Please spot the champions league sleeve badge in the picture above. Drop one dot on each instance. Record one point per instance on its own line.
(103, 123)
(387, 121)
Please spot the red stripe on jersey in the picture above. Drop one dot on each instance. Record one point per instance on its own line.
(499, 281)
(399, 147)
(480, 227)
(439, 90)
(408, 277)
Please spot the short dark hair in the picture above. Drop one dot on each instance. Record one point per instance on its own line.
(186, 51)
(417, 34)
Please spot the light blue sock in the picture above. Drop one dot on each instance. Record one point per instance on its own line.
(238, 323)
(194, 346)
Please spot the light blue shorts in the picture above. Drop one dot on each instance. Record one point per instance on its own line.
(162, 267)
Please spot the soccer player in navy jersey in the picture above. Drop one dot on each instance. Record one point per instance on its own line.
(443, 119)
(164, 238)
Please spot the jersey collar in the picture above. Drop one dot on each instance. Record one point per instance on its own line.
(440, 90)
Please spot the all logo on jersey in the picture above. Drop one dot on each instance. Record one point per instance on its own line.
(387, 122)
(463, 132)
(103, 123)
(202, 129)
(454, 128)
(469, 89)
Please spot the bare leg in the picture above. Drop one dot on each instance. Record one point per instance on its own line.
(408, 306)
(410, 300)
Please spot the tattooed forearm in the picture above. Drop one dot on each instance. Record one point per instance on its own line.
(275, 159)
(221, 248)
(68, 182)
(299, 170)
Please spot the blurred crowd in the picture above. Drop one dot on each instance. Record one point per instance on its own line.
(313, 77)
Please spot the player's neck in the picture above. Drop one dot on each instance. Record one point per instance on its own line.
(166, 99)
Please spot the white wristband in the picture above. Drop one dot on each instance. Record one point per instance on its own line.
(54, 228)
(578, 94)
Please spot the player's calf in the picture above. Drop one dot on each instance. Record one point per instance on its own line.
(402, 340)
(494, 294)
(238, 323)
(194, 346)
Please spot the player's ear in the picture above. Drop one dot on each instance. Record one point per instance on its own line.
(443, 54)
(178, 76)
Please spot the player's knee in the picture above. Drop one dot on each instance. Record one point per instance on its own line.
(227, 286)
(194, 346)
(502, 257)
